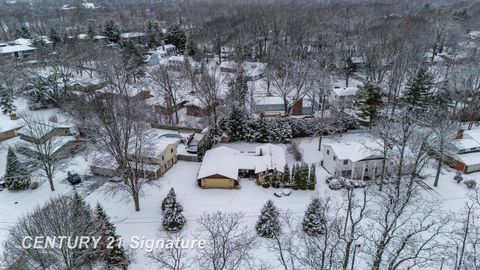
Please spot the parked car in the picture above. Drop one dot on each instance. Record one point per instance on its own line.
(73, 178)
(278, 194)
(286, 192)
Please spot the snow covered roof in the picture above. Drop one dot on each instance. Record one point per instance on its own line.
(6, 124)
(82, 36)
(176, 58)
(345, 91)
(99, 37)
(15, 48)
(167, 47)
(254, 69)
(474, 34)
(469, 159)
(268, 100)
(226, 161)
(465, 144)
(229, 65)
(472, 134)
(23, 41)
(357, 150)
(154, 143)
(132, 35)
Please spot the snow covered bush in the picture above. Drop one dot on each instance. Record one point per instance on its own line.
(266, 181)
(268, 224)
(312, 180)
(458, 177)
(471, 184)
(16, 175)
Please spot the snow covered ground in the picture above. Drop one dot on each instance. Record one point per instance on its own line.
(196, 201)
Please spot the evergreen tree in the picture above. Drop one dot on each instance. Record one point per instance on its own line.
(286, 175)
(296, 176)
(169, 200)
(111, 31)
(191, 48)
(91, 30)
(154, 34)
(418, 88)
(6, 100)
(276, 178)
(368, 101)
(173, 219)
(303, 181)
(110, 247)
(236, 124)
(176, 36)
(268, 224)
(314, 220)
(267, 181)
(16, 175)
(23, 32)
(53, 36)
(262, 133)
(133, 60)
(312, 178)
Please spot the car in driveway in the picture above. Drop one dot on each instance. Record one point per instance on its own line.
(73, 178)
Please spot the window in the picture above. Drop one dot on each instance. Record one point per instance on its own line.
(163, 158)
(171, 150)
(334, 158)
(345, 162)
(328, 152)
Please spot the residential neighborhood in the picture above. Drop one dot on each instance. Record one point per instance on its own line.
(234, 135)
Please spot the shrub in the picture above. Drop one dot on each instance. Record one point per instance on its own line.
(34, 185)
(458, 177)
(471, 184)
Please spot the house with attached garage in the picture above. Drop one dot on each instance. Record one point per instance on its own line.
(466, 151)
(158, 153)
(222, 167)
(357, 159)
(15, 51)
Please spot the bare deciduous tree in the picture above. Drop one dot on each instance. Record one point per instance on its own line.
(229, 241)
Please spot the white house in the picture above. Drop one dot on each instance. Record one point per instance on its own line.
(360, 159)
(15, 51)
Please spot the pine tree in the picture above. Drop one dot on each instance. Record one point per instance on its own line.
(111, 31)
(154, 34)
(276, 178)
(314, 220)
(176, 36)
(173, 219)
(6, 101)
(53, 36)
(16, 175)
(110, 247)
(91, 30)
(312, 178)
(286, 175)
(295, 179)
(23, 32)
(268, 224)
(303, 182)
(169, 200)
(236, 124)
(262, 132)
(368, 101)
(418, 88)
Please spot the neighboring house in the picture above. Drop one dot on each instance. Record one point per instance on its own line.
(8, 127)
(229, 67)
(342, 96)
(64, 141)
(274, 106)
(158, 155)
(137, 37)
(222, 167)
(176, 62)
(254, 70)
(361, 159)
(15, 51)
(160, 53)
(467, 151)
